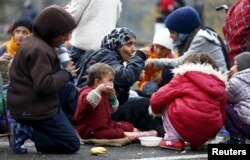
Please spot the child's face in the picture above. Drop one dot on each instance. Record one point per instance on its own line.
(61, 39)
(174, 36)
(20, 33)
(108, 79)
(161, 51)
(64, 37)
(142, 75)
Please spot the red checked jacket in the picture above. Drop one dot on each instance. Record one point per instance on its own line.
(236, 28)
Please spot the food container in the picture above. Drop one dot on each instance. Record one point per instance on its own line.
(150, 141)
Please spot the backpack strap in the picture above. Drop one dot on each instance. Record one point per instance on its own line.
(223, 47)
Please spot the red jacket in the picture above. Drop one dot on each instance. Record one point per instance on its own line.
(96, 122)
(195, 100)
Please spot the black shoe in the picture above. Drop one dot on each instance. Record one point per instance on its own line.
(234, 139)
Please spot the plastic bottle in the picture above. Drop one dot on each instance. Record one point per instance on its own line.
(63, 55)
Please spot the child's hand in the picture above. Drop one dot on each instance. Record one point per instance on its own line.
(101, 88)
(7, 56)
(232, 71)
(67, 44)
(111, 92)
(110, 89)
(71, 69)
(106, 88)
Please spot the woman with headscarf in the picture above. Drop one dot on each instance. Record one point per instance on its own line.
(118, 48)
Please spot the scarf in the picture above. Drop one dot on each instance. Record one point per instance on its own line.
(11, 45)
(117, 38)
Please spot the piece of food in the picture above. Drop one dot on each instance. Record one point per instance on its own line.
(98, 150)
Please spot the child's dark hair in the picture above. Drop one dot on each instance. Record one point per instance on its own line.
(98, 70)
(201, 58)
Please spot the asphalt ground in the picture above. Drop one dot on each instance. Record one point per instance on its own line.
(132, 151)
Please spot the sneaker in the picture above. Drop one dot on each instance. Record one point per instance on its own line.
(19, 134)
(136, 135)
(172, 144)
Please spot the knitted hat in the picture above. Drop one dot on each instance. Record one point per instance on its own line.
(243, 61)
(162, 37)
(52, 22)
(183, 20)
(23, 21)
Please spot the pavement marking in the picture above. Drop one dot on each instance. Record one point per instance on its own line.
(175, 157)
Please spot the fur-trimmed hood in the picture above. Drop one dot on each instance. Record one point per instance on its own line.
(204, 77)
(205, 68)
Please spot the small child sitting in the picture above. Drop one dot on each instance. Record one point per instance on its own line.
(192, 103)
(96, 102)
(238, 98)
(162, 47)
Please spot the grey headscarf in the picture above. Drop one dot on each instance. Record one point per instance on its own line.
(117, 38)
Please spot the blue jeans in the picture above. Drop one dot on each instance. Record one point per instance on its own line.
(54, 134)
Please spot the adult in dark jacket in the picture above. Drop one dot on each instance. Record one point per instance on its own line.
(35, 79)
(118, 50)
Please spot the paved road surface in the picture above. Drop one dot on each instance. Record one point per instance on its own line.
(130, 152)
